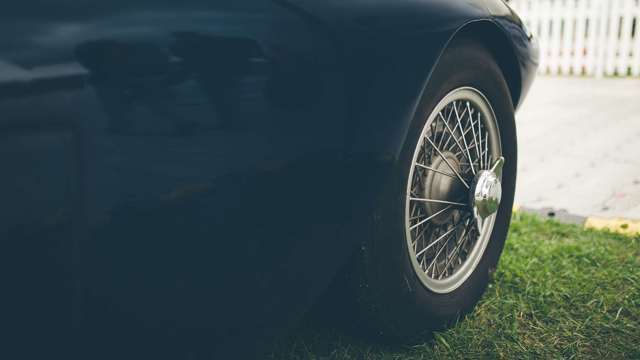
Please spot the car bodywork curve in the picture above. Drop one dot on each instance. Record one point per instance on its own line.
(207, 166)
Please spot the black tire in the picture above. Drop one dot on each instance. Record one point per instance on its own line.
(390, 296)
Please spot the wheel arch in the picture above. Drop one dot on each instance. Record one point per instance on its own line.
(489, 34)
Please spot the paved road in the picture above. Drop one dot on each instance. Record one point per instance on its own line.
(579, 142)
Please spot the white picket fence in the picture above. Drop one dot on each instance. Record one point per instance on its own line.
(585, 37)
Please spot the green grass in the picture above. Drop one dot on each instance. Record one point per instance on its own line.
(560, 292)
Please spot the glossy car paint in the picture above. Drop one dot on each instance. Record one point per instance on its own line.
(200, 170)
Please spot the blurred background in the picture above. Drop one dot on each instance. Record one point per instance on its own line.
(579, 130)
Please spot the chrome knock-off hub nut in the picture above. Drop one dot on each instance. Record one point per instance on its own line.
(487, 190)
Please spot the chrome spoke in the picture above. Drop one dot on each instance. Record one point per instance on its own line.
(435, 258)
(446, 124)
(457, 249)
(486, 151)
(437, 201)
(464, 138)
(474, 133)
(437, 240)
(421, 234)
(466, 131)
(448, 163)
(430, 217)
(470, 147)
(480, 141)
(453, 136)
(442, 135)
(436, 170)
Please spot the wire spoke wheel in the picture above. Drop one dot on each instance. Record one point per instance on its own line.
(453, 190)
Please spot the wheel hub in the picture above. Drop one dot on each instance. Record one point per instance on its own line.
(442, 187)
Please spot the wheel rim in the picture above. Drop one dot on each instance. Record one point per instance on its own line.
(453, 190)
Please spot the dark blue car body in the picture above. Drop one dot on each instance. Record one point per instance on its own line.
(200, 170)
